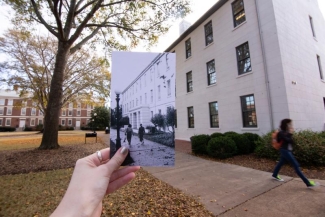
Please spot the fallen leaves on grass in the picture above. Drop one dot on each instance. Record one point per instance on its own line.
(38, 194)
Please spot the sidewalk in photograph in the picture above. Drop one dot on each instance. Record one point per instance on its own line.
(230, 190)
(149, 153)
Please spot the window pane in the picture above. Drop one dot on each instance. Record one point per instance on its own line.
(208, 33)
(248, 110)
(190, 117)
(214, 118)
(238, 6)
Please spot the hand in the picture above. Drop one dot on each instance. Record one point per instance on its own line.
(91, 181)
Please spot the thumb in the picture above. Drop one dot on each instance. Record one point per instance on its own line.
(116, 161)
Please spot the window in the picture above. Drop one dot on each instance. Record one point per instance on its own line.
(40, 121)
(70, 105)
(63, 122)
(10, 102)
(8, 121)
(23, 111)
(33, 112)
(243, 59)
(0, 121)
(88, 113)
(208, 33)
(78, 113)
(88, 106)
(40, 112)
(211, 69)
(64, 113)
(190, 114)
(136, 102)
(189, 82)
(320, 68)
(169, 93)
(248, 111)
(70, 113)
(140, 100)
(151, 114)
(188, 48)
(159, 92)
(238, 12)
(214, 117)
(79, 105)
(32, 122)
(9, 111)
(2, 101)
(69, 122)
(151, 92)
(312, 26)
(1, 111)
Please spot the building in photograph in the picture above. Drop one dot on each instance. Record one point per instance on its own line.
(152, 92)
(247, 64)
(18, 113)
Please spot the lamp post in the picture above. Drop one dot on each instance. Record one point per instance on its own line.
(118, 138)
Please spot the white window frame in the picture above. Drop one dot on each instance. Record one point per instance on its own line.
(10, 102)
(23, 111)
(2, 110)
(64, 112)
(169, 92)
(79, 105)
(70, 105)
(88, 106)
(40, 120)
(69, 112)
(9, 109)
(33, 111)
(2, 101)
(69, 122)
(32, 121)
(78, 112)
(62, 122)
(8, 119)
(88, 113)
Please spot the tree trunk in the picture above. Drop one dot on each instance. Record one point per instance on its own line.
(51, 121)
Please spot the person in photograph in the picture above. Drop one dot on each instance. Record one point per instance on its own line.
(287, 143)
(141, 133)
(128, 133)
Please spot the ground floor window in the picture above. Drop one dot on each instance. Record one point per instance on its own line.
(248, 111)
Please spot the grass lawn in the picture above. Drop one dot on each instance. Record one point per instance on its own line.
(33, 182)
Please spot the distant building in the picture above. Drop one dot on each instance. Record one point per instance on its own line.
(27, 115)
(247, 64)
(152, 92)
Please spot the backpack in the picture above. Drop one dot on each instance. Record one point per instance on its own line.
(277, 145)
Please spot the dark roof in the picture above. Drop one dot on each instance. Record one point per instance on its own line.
(202, 19)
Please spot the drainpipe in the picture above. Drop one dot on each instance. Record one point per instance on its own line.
(267, 82)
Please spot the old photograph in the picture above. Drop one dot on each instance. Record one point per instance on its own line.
(143, 107)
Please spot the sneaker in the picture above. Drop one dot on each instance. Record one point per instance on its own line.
(312, 184)
(278, 178)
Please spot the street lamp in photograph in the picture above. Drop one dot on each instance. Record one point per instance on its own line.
(118, 138)
(94, 127)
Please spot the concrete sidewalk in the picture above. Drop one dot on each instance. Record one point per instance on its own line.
(230, 190)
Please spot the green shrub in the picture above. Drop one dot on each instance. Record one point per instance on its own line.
(264, 147)
(253, 138)
(221, 147)
(39, 127)
(7, 129)
(230, 133)
(242, 143)
(216, 134)
(309, 148)
(28, 129)
(199, 143)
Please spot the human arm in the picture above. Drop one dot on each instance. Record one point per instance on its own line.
(91, 181)
(285, 137)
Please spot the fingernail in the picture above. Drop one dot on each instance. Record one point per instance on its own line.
(124, 150)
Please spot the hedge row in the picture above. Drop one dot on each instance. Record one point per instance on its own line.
(7, 129)
(309, 149)
(224, 145)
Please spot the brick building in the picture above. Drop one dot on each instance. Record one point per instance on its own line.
(14, 112)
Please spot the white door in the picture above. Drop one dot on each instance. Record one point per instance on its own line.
(78, 125)
(22, 123)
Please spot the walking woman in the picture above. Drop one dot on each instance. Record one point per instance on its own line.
(128, 133)
(285, 136)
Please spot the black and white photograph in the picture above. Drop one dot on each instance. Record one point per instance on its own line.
(143, 107)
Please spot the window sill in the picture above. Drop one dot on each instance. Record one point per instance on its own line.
(322, 80)
(209, 45)
(189, 92)
(239, 25)
(217, 128)
(247, 73)
(315, 39)
(188, 58)
(212, 85)
(250, 129)
(190, 128)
